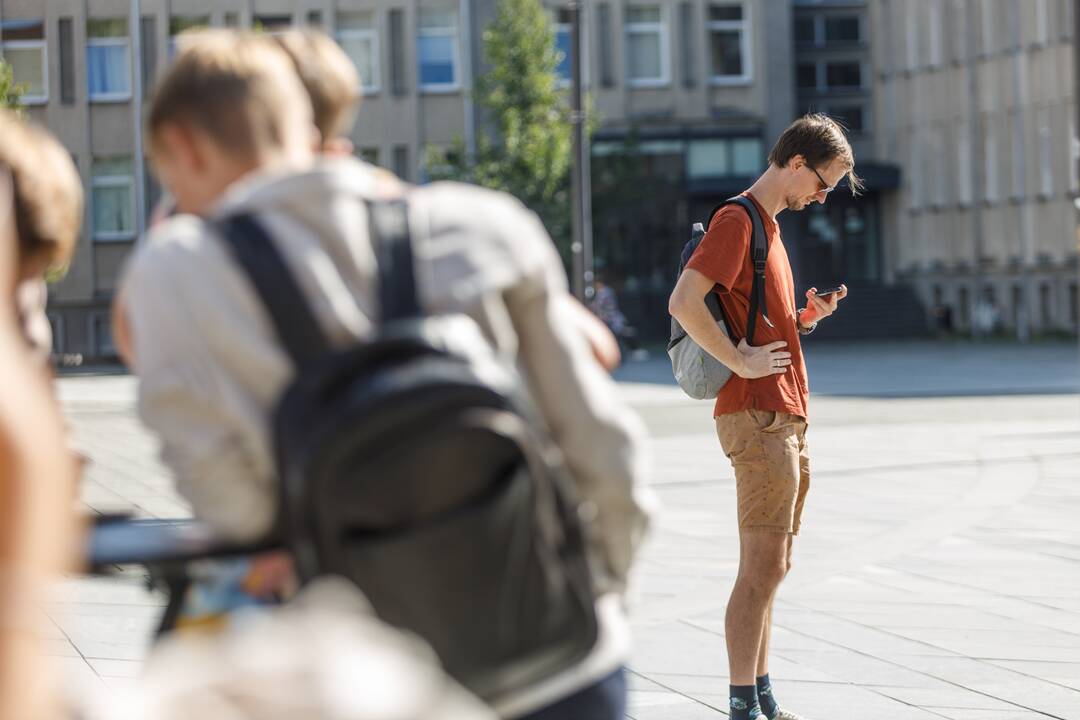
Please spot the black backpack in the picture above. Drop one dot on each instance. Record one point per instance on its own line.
(424, 477)
(699, 374)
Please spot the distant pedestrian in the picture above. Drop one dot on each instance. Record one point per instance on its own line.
(761, 412)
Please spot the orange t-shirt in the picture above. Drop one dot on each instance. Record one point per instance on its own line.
(724, 257)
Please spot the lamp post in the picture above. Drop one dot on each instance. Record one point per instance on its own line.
(580, 184)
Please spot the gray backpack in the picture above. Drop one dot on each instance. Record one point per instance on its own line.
(698, 373)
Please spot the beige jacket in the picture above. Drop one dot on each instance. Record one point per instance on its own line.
(210, 366)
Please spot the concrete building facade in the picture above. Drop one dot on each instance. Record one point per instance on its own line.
(975, 102)
(704, 87)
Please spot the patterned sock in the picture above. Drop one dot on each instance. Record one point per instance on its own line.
(765, 697)
(744, 704)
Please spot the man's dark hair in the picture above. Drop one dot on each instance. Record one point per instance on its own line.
(820, 140)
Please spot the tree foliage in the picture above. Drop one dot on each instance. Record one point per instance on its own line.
(526, 148)
(11, 92)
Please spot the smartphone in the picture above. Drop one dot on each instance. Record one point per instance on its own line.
(829, 291)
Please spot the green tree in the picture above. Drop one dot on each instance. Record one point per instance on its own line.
(11, 92)
(527, 147)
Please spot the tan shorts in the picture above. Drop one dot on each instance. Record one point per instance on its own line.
(772, 468)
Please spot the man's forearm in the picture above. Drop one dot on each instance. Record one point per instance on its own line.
(700, 325)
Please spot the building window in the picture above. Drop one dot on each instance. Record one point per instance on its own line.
(843, 29)
(805, 30)
(108, 60)
(369, 155)
(401, 162)
(851, 117)
(113, 198)
(104, 347)
(806, 75)
(563, 71)
(271, 23)
(843, 75)
(729, 39)
(724, 157)
(231, 20)
(357, 37)
(23, 49)
(438, 49)
(646, 46)
(314, 18)
(182, 23)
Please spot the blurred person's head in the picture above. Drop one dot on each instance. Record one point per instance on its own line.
(814, 155)
(331, 82)
(47, 194)
(229, 104)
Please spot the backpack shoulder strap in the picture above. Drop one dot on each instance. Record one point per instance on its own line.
(392, 242)
(262, 262)
(759, 255)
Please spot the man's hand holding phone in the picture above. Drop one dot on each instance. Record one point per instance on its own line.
(821, 304)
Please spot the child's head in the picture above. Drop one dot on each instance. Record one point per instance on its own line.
(47, 195)
(331, 82)
(229, 104)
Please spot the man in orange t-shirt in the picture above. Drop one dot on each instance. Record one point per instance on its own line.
(761, 412)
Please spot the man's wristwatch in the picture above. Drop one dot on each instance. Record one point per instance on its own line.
(804, 329)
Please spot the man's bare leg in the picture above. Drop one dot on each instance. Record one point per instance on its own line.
(762, 565)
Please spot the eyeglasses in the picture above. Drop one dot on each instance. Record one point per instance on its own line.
(825, 187)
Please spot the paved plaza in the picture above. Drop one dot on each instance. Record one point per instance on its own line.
(937, 574)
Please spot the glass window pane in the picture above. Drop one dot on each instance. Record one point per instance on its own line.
(709, 158)
(746, 156)
(841, 29)
(180, 23)
(727, 53)
(112, 27)
(23, 30)
(726, 12)
(107, 69)
(804, 31)
(436, 60)
(643, 14)
(119, 165)
(849, 117)
(644, 56)
(846, 74)
(438, 18)
(27, 67)
(562, 44)
(114, 210)
(806, 75)
(355, 21)
(361, 51)
(272, 23)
